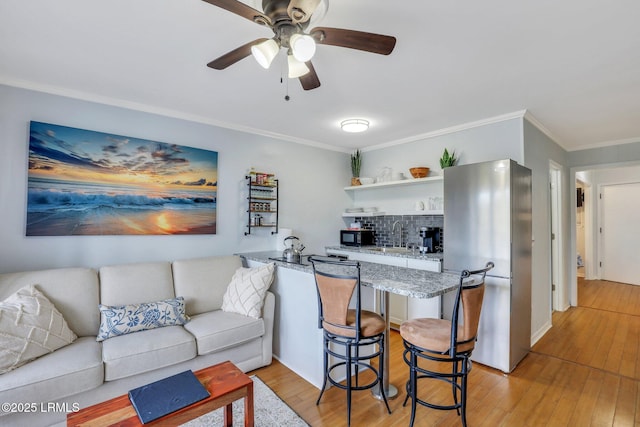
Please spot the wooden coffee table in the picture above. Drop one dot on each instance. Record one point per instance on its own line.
(224, 381)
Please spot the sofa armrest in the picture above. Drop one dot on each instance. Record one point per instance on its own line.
(268, 316)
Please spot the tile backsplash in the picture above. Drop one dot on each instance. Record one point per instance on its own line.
(411, 224)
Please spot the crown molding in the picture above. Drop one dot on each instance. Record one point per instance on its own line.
(607, 144)
(166, 112)
(452, 129)
(538, 125)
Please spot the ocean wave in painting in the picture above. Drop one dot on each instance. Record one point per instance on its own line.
(68, 208)
(42, 200)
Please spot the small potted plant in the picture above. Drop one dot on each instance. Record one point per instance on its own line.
(448, 159)
(356, 163)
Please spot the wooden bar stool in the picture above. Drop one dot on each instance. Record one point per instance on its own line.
(430, 343)
(346, 331)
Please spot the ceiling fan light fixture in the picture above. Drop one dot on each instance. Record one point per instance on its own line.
(354, 125)
(265, 52)
(296, 68)
(303, 47)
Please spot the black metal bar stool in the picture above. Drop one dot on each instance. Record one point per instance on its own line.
(429, 343)
(346, 331)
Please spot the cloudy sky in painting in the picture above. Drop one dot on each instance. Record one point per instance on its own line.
(64, 153)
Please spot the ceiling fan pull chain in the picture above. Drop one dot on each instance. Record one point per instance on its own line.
(286, 96)
(282, 70)
(283, 80)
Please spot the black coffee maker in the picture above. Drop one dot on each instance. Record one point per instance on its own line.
(430, 240)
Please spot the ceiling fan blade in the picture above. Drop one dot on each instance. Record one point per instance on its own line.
(234, 56)
(242, 9)
(369, 42)
(301, 10)
(310, 80)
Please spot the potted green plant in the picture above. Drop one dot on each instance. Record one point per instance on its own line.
(356, 163)
(448, 159)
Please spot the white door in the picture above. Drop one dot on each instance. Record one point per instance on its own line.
(620, 233)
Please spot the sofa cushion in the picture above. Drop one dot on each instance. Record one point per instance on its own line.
(72, 369)
(125, 319)
(245, 294)
(203, 281)
(135, 283)
(144, 351)
(30, 327)
(73, 291)
(218, 330)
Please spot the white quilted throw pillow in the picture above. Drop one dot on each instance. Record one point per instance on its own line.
(30, 327)
(247, 290)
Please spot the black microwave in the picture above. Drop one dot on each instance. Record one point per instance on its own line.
(357, 237)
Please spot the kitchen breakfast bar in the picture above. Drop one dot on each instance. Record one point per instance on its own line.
(297, 341)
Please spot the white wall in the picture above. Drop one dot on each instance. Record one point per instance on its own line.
(501, 140)
(539, 150)
(311, 185)
(620, 175)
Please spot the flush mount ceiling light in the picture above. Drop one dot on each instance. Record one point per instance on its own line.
(354, 125)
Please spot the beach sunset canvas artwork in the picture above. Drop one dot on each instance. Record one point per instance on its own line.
(83, 182)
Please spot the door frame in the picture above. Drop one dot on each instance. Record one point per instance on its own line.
(556, 245)
(591, 252)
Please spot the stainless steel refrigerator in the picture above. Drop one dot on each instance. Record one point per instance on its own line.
(487, 217)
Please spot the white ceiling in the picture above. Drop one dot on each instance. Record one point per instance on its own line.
(573, 65)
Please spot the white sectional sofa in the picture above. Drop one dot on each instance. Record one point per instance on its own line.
(88, 371)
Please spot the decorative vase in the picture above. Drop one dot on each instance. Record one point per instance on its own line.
(355, 181)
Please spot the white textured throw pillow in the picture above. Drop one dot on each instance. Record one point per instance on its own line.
(247, 290)
(30, 327)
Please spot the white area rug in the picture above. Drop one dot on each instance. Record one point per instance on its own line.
(269, 411)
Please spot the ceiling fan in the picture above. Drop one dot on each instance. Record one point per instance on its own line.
(289, 20)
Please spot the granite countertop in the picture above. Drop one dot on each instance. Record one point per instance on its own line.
(394, 252)
(398, 280)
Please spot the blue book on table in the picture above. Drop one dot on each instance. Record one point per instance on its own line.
(162, 397)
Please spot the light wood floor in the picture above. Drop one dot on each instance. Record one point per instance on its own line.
(584, 372)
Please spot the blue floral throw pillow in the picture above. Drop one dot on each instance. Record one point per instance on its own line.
(124, 319)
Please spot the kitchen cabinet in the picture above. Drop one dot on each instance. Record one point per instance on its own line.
(262, 202)
(402, 307)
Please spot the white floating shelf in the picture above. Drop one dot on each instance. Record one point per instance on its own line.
(354, 214)
(404, 213)
(395, 183)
